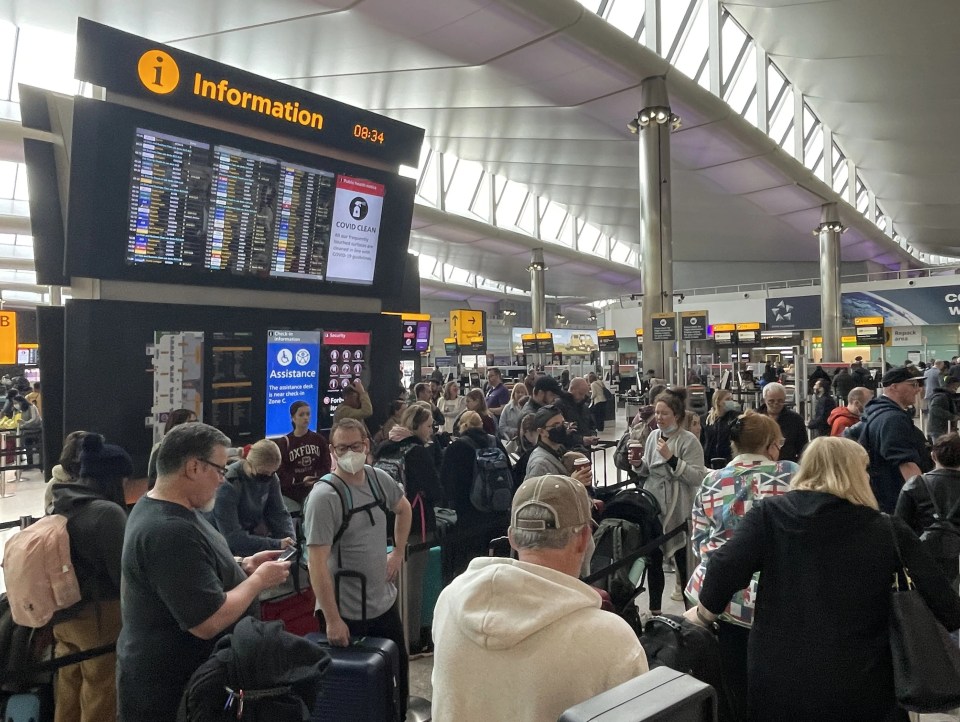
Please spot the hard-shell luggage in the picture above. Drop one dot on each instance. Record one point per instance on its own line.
(662, 694)
(296, 611)
(362, 683)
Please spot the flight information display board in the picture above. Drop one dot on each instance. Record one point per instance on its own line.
(162, 200)
(225, 209)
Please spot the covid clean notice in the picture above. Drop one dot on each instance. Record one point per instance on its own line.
(357, 208)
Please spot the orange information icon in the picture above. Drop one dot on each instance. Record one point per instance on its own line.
(158, 72)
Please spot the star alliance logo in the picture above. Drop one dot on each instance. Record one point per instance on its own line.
(783, 311)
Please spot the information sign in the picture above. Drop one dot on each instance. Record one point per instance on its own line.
(693, 325)
(293, 371)
(607, 340)
(664, 327)
(869, 330)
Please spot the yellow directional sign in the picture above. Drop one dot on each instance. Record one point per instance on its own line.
(465, 325)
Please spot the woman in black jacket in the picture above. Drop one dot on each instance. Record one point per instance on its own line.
(916, 507)
(475, 528)
(407, 457)
(820, 644)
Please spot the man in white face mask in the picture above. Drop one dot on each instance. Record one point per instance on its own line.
(345, 524)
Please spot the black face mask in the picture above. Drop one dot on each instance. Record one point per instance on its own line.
(558, 435)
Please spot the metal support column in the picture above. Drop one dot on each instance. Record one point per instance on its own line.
(653, 124)
(538, 299)
(829, 232)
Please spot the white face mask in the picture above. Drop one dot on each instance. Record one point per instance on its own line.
(352, 461)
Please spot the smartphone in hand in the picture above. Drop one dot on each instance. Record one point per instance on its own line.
(288, 554)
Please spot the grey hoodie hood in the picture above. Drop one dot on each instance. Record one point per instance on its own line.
(498, 603)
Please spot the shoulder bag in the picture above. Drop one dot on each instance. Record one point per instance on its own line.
(926, 661)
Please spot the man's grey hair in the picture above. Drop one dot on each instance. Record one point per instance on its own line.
(541, 539)
(773, 386)
(185, 442)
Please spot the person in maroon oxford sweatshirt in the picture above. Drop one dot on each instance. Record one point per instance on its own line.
(305, 455)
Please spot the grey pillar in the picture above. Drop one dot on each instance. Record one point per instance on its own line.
(653, 124)
(538, 299)
(831, 317)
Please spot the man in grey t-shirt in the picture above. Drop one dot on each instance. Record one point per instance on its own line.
(362, 546)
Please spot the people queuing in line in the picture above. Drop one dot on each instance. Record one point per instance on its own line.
(174, 418)
(724, 497)
(816, 525)
(451, 405)
(599, 401)
(943, 408)
(824, 404)
(820, 639)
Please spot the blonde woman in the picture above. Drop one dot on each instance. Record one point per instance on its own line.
(716, 432)
(510, 416)
(820, 645)
(451, 405)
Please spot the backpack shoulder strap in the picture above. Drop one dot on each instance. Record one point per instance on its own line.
(376, 488)
(470, 442)
(346, 503)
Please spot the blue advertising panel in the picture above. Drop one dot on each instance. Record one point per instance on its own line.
(293, 374)
(899, 307)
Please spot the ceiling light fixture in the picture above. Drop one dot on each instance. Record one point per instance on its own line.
(659, 115)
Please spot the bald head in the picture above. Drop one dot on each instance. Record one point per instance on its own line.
(579, 388)
(857, 399)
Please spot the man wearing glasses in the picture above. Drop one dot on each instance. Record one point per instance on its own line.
(896, 446)
(181, 588)
(345, 523)
(791, 423)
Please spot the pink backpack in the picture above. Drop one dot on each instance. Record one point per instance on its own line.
(39, 572)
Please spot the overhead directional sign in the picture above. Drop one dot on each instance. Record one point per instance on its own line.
(8, 337)
(465, 325)
(723, 334)
(748, 334)
(869, 330)
(665, 326)
(450, 346)
(607, 339)
(693, 325)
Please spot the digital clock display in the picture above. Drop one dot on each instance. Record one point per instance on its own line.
(365, 133)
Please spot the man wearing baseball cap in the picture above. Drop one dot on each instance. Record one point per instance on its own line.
(896, 446)
(524, 639)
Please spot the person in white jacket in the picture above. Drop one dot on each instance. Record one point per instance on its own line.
(524, 640)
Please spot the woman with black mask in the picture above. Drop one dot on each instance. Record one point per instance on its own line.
(249, 510)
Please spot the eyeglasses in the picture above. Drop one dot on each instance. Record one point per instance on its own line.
(340, 449)
(222, 470)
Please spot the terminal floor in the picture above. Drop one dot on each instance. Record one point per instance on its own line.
(28, 493)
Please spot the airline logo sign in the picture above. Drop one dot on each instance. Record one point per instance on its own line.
(799, 312)
(693, 325)
(664, 327)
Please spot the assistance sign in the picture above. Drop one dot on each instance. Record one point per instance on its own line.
(293, 366)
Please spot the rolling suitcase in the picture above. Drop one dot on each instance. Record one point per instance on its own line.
(661, 695)
(362, 683)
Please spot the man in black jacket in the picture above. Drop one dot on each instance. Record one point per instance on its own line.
(791, 423)
(896, 446)
(944, 408)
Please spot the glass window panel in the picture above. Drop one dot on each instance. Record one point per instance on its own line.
(10, 275)
(619, 252)
(819, 169)
(739, 92)
(602, 246)
(511, 203)
(626, 15)
(8, 178)
(732, 40)
(429, 190)
(838, 158)
(775, 84)
(462, 184)
(751, 112)
(481, 201)
(527, 220)
(813, 151)
(863, 198)
(551, 224)
(781, 116)
(588, 238)
(840, 173)
(45, 59)
(695, 46)
(8, 46)
(671, 17)
(20, 190)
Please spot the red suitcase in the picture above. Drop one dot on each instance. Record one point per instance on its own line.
(295, 610)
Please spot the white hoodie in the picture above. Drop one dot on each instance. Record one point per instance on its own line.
(518, 642)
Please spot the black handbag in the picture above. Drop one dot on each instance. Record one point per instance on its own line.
(926, 661)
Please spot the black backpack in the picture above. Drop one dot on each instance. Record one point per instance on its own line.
(349, 510)
(492, 487)
(631, 519)
(672, 641)
(942, 537)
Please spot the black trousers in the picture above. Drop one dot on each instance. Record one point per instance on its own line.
(599, 412)
(386, 626)
(733, 666)
(656, 579)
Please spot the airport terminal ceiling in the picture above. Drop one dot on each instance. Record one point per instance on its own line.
(538, 91)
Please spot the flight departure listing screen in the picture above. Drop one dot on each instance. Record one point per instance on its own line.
(219, 208)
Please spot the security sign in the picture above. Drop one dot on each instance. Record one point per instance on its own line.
(664, 327)
(693, 325)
